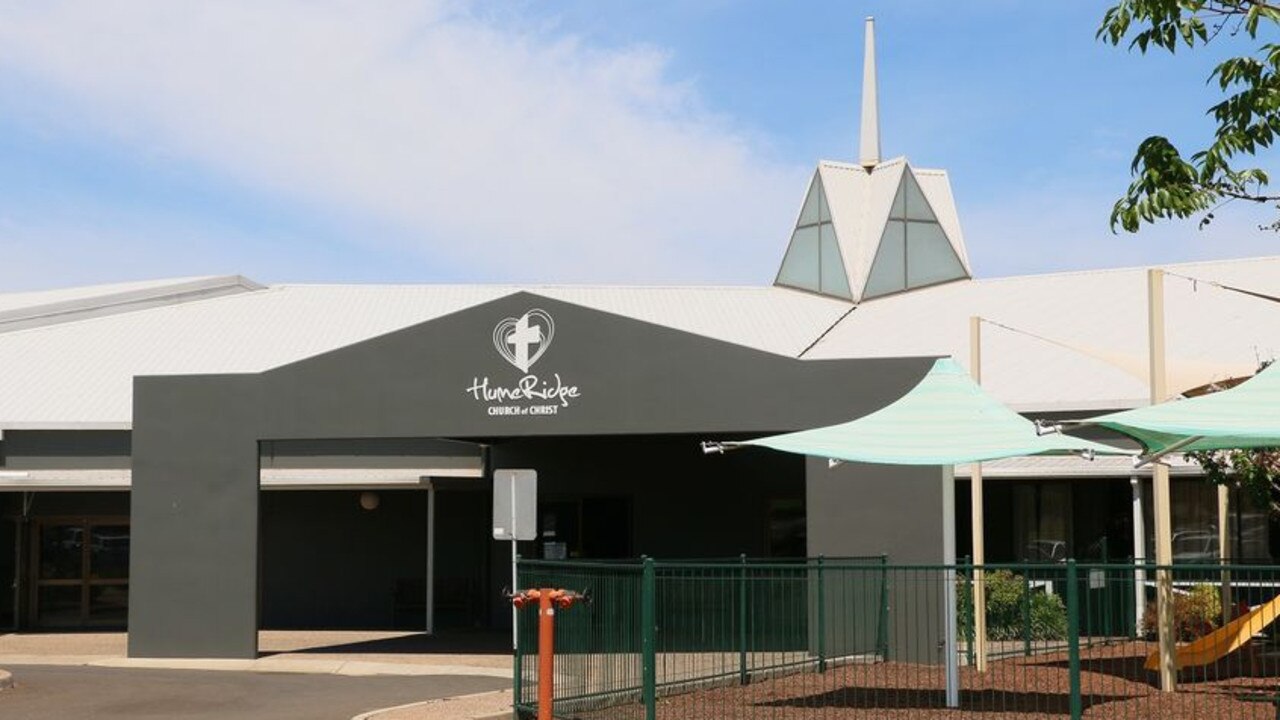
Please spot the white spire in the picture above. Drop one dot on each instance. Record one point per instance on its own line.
(869, 142)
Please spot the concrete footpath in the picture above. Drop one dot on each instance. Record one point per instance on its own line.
(352, 653)
(480, 706)
(345, 653)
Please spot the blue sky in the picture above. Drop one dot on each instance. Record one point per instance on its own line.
(574, 141)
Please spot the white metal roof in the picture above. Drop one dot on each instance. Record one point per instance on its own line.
(14, 300)
(1088, 342)
(48, 307)
(80, 374)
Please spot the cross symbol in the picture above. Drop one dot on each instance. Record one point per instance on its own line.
(521, 338)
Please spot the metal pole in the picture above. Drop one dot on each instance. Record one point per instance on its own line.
(882, 627)
(822, 621)
(1160, 489)
(546, 655)
(979, 645)
(431, 558)
(743, 678)
(1073, 640)
(515, 587)
(1105, 592)
(1139, 554)
(1026, 612)
(649, 641)
(952, 658)
(515, 561)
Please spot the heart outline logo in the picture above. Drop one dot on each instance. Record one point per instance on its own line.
(514, 338)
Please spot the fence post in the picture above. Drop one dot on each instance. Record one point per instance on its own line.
(743, 677)
(822, 620)
(648, 645)
(1073, 640)
(882, 631)
(1026, 612)
(1107, 610)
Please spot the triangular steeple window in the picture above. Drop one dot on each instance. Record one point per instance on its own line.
(914, 251)
(813, 259)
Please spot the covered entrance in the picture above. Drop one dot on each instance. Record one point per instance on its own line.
(606, 413)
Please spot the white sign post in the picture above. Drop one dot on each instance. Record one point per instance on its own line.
(515, 517)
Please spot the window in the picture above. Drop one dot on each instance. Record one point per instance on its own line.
(914, 251)
(813, 259)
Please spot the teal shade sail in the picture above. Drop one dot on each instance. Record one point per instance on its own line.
(946, 419)
(1243, 417)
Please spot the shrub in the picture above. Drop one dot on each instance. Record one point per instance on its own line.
(1005, 621)
(1195, 614)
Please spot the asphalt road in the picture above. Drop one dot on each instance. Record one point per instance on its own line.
(58, 693)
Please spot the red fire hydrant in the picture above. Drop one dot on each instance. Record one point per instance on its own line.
(548, 600)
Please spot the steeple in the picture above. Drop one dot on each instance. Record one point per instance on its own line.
(869, 142)
(875, 228)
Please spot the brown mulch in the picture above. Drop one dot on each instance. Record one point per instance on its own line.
(1113, 685)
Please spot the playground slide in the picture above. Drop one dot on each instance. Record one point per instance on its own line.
(1225, 640)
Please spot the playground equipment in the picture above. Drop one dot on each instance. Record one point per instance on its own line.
(1223, 641)
(548, 600)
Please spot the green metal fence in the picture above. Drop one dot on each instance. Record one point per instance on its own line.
(860, 638)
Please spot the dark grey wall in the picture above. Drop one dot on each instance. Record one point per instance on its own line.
(369, 453)
(193, 561)
(195, 441)
(895, 510)
(65, 449)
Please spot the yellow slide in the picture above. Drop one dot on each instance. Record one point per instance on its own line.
(1225, 640)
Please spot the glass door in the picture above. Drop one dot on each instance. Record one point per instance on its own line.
(81, 572)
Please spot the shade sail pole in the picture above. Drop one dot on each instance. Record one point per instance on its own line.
(1139, 551)
(979, 521)
(1160, 487)
(1224, 548)
(951, 661)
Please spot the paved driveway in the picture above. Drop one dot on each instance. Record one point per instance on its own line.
(57, 693)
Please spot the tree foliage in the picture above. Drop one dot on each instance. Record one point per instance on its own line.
(1166, 183)
(1256, 472)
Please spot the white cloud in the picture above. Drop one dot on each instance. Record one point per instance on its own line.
(523, 155)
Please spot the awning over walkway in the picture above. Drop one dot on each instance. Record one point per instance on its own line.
(947, 419)
(1245, 416)
(271, 478)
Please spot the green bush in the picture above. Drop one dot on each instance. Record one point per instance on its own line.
(1005, 621)
(1195, 614)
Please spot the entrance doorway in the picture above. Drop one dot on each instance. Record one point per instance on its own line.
(81, 572)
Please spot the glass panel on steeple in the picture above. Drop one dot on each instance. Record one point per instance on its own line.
(813, 261)
(800, 268)
(899, 208)
(917, 208)
(811, 213)
(930, 257)
(888, 270)
(914, 250)
(835, 281)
